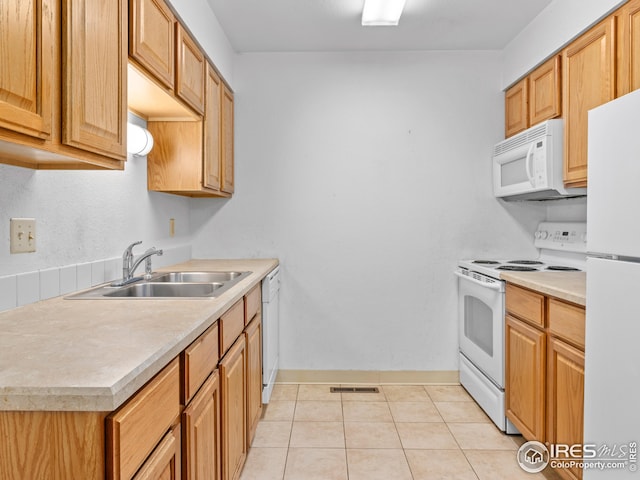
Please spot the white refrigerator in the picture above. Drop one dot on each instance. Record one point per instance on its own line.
(612, 350)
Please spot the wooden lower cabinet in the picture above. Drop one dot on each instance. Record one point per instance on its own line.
(233, 396)
(201, 433)
(525, 389)
(164, 462)
(565, 398)
(253, 334)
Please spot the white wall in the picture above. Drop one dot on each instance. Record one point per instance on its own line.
(368, 175)
(83, 216)
(553, 28)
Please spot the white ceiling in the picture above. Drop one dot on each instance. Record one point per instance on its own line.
(334, 25)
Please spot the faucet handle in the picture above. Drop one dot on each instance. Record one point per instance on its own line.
(129, 249)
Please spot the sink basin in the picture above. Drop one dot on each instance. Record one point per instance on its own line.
(169, 285)
(198, 277)
(150, 289)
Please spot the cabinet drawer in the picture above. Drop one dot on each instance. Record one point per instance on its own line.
(198, 360)
(164, 462)
(231, 326)
(135, 429)
(252, 303)
(525, 304)
(567, 321)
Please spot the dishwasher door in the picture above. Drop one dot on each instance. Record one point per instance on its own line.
(270, 332)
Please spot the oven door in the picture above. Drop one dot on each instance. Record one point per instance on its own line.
(481, 324)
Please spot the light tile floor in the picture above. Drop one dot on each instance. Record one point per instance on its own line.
(404, 432)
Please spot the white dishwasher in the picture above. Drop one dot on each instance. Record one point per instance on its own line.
(270, 332)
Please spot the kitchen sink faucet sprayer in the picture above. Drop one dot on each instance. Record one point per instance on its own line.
(129, 265)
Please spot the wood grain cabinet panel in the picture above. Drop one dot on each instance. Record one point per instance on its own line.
(567, 321)
(234, 419)
(135, 428)
(201, 433)
(198, 360)
(516, 107)
(25, 88)
(212, 130)
(565, 399)
(544, 91)
(525, 380)
(253, 334)
(94, 76)
(152, 41)
(164, 462)
(231, 325)
(628, 74)
(525, 304)
(190, 70)
(227, 141)
(588, 77)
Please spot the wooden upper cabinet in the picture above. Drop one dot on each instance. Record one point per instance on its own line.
(628, 47)
(588, 77)
(212, 130)
(227, 141)
(25, 88)
(190, 70)
(516, 108)
(544, 91)
(152, 41)
(94, 76)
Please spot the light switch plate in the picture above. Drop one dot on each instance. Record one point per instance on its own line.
(23, 235)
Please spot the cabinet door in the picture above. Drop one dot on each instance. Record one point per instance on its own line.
(212, 133)
(544, 91)
(516, 114)
(94, 76)
(565, 398)
(227, 140)
(190, 70)
(233, 389)
(201, 433)
(628, 48)
(26, 68)
(588, 77)
(525, 388)
(253, 333)
(152, 38)
(164, 461)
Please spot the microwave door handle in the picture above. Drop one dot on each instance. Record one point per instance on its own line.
(527, 165)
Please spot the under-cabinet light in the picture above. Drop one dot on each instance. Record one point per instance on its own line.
(139, 140)
(382, 12)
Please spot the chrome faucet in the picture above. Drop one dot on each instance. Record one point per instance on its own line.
(129, 265)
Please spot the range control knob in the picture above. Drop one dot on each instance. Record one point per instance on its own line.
(544, 234)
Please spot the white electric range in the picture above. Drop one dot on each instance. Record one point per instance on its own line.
(481, 310)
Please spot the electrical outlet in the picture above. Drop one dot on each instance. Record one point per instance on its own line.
(23, 235)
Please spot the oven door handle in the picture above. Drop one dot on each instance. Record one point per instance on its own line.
(493, 286)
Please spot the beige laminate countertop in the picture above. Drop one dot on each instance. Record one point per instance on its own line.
(91, 355)
(569, 286)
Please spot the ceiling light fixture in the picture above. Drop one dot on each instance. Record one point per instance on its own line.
(382, 12)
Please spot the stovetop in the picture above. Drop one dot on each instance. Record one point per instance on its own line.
(562, 248)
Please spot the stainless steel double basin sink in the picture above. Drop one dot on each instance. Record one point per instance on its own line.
(168, 285)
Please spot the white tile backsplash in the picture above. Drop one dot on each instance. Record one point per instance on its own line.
(97, 273)
(68, 282)
(83, 275)
(28, 285)
(24, 288)
(49, 283)
(8, 293)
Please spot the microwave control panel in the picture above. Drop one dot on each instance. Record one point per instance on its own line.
(539, 163)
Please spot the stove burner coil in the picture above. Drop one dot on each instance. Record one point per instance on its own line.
(517, 268)
(526, 262)
(559, 268)
(486, 262)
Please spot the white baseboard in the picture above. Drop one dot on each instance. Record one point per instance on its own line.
(381, 377)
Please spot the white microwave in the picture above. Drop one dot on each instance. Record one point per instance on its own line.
(528, 166)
